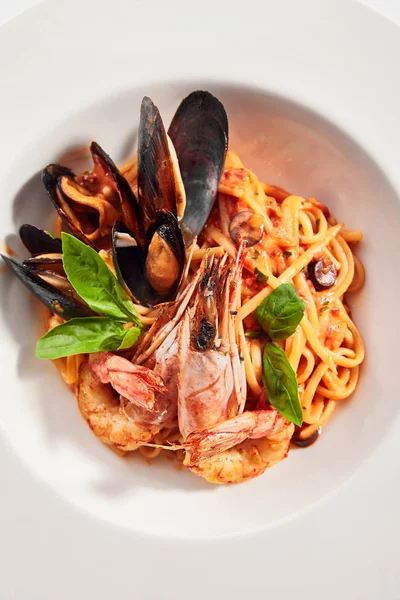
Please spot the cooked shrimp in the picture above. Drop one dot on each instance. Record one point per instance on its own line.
(101, 408)
(164, 366)
(148, 395)
(248, 459)
(217, 436)
(206, 393)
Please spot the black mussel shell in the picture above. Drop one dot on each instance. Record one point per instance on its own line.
(130, 260)
(199, 133)
(128, 204)
(129, 264)
(131, 214)
(38, 241)
(48, 262)
(51, 176)
(156, 182)
(60, 303)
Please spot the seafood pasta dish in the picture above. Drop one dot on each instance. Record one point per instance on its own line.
(195, 311)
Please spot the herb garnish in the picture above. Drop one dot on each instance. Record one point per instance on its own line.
(280, 312)
(281, 384)
(118, 327)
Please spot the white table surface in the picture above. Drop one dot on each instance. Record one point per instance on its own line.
(12, 8)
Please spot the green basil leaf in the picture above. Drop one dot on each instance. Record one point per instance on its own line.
(83, 335)
(260, 276)
(130, 338)
(94, 282)
(280, 384)
(280, 312)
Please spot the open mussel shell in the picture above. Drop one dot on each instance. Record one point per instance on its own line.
(159, 182)
(199, 133)
(80, 202)
(37, 241)
(51, 176)
(59, 301)
(151, 275)
(130, 211)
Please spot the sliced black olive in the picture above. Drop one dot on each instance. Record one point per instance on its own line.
(305, 442)
(246, 227)
(323, 274)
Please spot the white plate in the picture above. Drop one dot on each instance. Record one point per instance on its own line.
(313, 100)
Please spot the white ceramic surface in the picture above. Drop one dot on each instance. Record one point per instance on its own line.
(313, 106)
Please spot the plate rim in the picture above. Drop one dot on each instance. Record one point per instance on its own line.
(19, 24)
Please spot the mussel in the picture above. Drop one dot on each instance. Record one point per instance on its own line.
(151, 264)
(37, 241)
(43, 273)
(46, 250)
(91, 203)
(148, 231)
(199, 133)
(151, 273)
(177, 185)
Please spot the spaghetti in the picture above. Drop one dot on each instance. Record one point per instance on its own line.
(326, 349)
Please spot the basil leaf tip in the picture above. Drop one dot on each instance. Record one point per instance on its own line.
(280, 312)
(280, 383)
